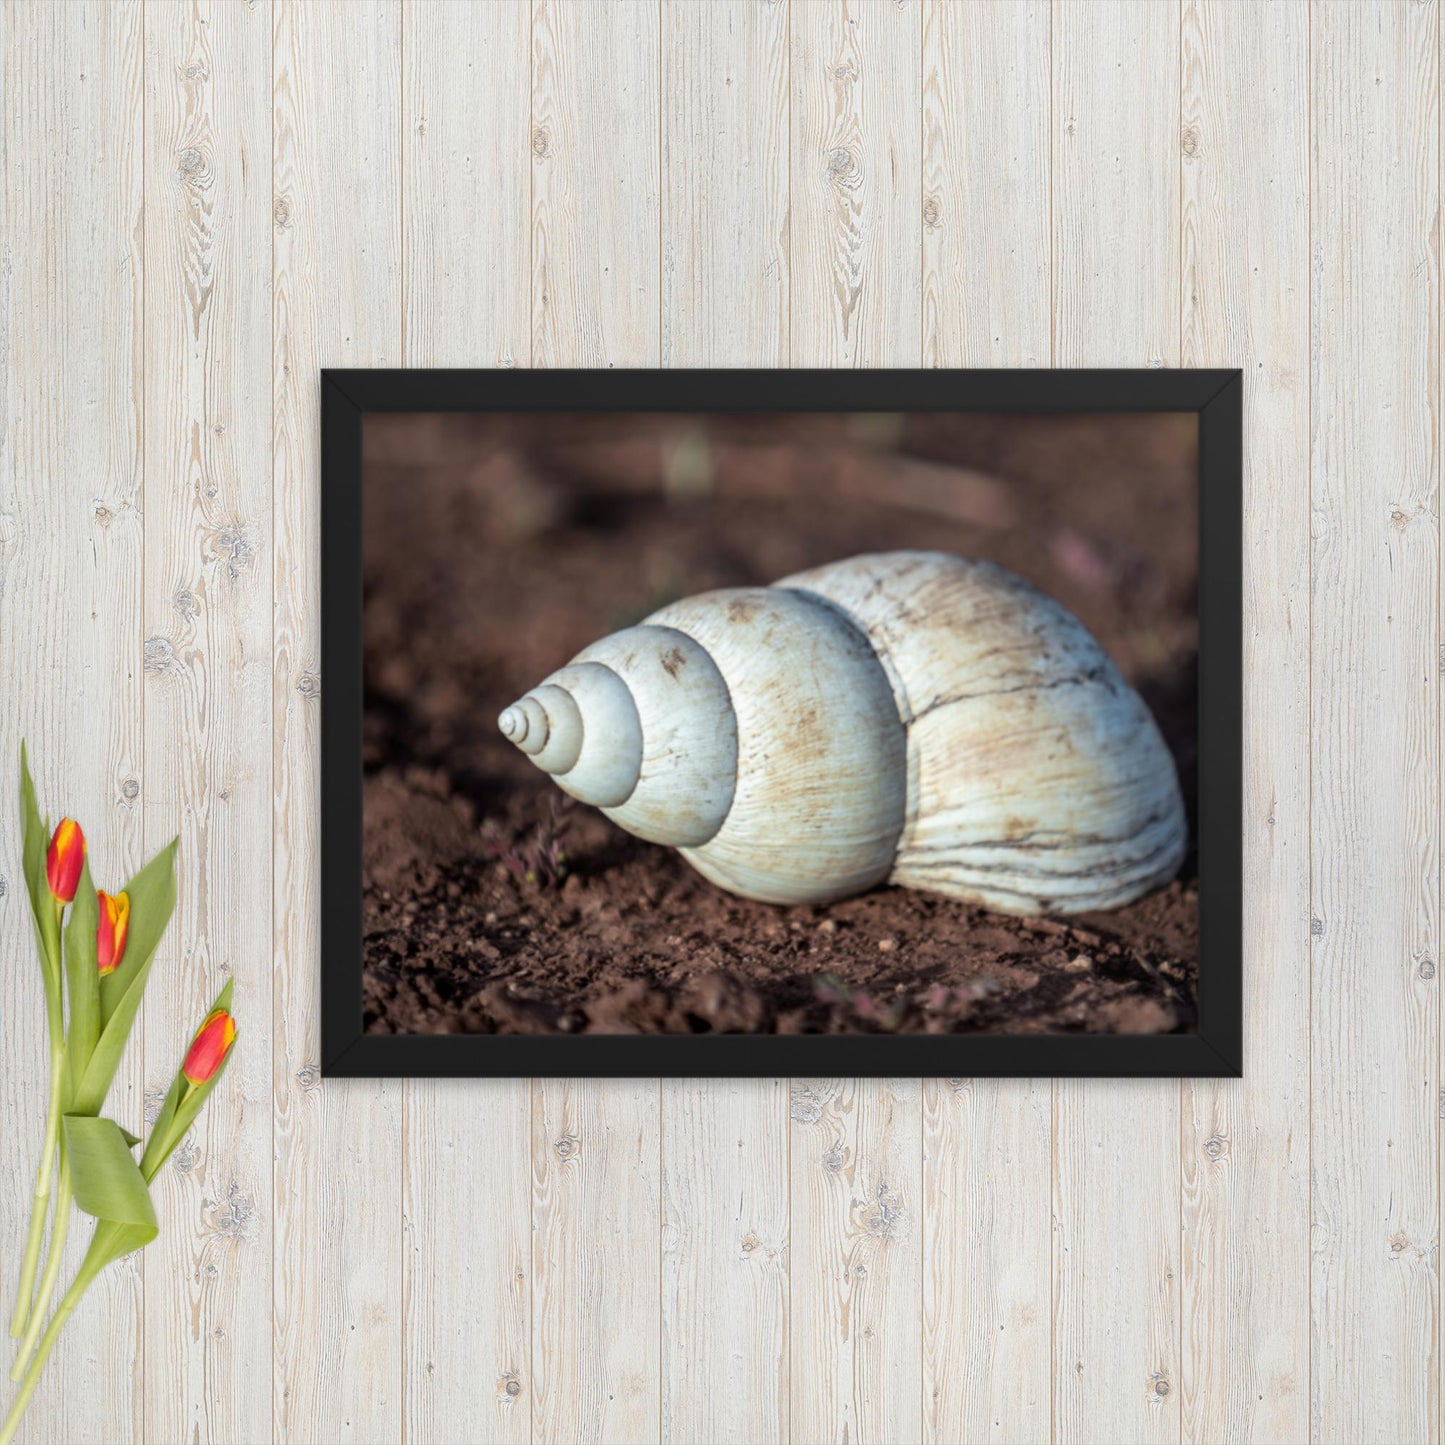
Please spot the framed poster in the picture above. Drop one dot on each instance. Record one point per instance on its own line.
(781, 722)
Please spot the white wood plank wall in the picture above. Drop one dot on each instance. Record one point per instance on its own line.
(206, 201)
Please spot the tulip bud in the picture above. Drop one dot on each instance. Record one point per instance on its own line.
(64, 860)
(110, 936)
(209, 1047)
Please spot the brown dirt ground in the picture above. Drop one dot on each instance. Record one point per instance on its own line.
(496, 548)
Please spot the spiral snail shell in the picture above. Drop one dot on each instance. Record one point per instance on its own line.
(908, 717)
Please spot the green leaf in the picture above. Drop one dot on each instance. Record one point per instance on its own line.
(107, 1181)
(184, 1100)
(130, 1139)
(152, 900)
(82, 979)
(35, 835)
(110, 1242)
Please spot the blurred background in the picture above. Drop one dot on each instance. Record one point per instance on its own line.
(496, 547)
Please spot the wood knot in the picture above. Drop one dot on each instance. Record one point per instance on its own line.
(567, 1148)
(232, 546)
(233, 1218)
(1161, 1386)
(281, 212)
(308, 1076)
(159, 655)
(541, 144)
(884, 1212)
(932, 213)
(806, 1107)
(842, 164)
(130, 790)
(185, 604)
(1189, 142)
(1216, 1146)
(191, 163)
(309, 685)
(4, 887)
(1427, 968)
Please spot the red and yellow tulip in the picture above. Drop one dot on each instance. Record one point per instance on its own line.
(110, 936)
(208, 1049)
(64, 859)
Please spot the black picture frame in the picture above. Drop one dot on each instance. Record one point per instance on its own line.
(1214, 1050)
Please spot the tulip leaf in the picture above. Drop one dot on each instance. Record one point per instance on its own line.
(152, 899)
(82, 979)
(35, 835)
(183, 1102)
(107, 1181)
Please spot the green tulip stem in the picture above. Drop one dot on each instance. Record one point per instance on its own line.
(40, 1208)
(92, 1266)
(56, 1257)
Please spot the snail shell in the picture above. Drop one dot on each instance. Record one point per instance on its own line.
(908, 717)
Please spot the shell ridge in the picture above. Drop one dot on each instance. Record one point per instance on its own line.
(727, 695)
(687, 756)
(623, 682)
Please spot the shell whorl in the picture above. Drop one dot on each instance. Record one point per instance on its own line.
(640, 725)
(1038, 781)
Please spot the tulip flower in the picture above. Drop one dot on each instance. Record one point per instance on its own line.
(110, 936)
(64, 859)
(209, 1047)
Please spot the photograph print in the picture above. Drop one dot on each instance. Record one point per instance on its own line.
(797, 736)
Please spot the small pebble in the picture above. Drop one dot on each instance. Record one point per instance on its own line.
(886, 945)
(1080, 963)
(828, 925)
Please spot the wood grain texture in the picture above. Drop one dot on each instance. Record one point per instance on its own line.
(207, 660)
(71, 545)
(986, 1276)
(1374, 925)
(467, 1267)
(855, 70)
(596, 274)
(985, 247)
(206, 202)
(856, 1337)
(1244, 1145)
(725, 1261)
(336, 301)
(725, 232)
(596, 1231)
(466, 177)
(1115, 186)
